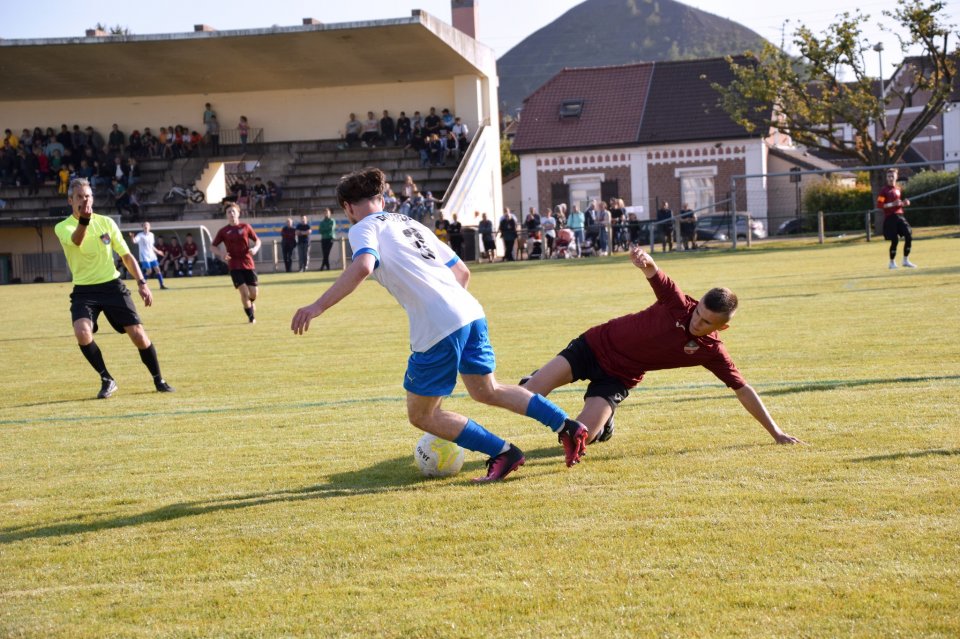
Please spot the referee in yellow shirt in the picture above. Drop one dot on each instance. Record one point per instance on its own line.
(89, 241)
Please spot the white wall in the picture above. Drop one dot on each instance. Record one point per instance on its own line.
(301, 114)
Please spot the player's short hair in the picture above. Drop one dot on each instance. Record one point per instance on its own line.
(721, 300)
(361, 185)
(893, 170)
(232, 205)
(77, 183)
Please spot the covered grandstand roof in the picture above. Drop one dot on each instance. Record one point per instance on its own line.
(416, 48)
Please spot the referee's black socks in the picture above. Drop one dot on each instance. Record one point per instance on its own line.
(93, 354)
(148, 356)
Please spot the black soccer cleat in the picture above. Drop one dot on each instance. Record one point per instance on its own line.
(163, 387)
(606, 433)
(107, 388)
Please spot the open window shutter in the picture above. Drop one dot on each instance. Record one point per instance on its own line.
(559, 194)
(609, 189)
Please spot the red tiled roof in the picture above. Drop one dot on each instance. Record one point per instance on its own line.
(644, 103)
(613, 101)
(683, 107)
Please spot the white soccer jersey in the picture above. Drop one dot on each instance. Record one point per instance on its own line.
(415, 267)
(144, 242)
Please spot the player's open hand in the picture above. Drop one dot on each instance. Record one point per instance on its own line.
(783, 438)
(641, 259)
(302, 318)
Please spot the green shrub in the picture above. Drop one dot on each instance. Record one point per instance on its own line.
(935, 209)
(843, 206)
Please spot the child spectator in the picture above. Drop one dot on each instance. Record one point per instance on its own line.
(371, 130)
(64, 180)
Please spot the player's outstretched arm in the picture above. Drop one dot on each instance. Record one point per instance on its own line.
(347, 283)
(754, 405)
(643, 261)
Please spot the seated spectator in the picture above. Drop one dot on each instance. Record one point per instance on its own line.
(52, 147)
(421, 144)
(417, 206)
(85, 170)
(132, 172)
(352, 130)
(446, 120)
(388, 134)
(11, 139)
(274, 193)
(116, 140)
(371, 130)
(408, 189)
(390, 202)
(416, 122)
(436, 150)
(95, 141)
(189, 257)
(404, 129)
(194, 143)
(65, 138)
(135, 144)
(432, 123)
(79, 138)
(43, 166)
(149, 143)
(259, 195)
(462, 134)
(165, 143)
(452, 148)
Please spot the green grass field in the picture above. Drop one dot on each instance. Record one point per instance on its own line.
(275, 494)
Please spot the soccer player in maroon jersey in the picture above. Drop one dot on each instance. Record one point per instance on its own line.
(238, 254)
(189, 255)
(675, 332)
(895, 225)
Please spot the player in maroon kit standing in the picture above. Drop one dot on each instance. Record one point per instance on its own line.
(675, 332)
(895, 225)
(238, 254)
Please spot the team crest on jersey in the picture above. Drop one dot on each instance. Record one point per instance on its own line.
(105, 238)
(691, 347)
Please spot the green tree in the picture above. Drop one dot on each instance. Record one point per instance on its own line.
(509, 163)
(804, 97)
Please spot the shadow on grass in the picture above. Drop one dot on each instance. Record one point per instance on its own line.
(933, 452)
(833, 384)
(387, 476)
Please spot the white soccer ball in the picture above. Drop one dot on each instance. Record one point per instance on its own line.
(437, 457)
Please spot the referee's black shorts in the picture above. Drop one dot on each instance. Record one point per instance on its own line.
(110, 298)
(584, 365)
(896, 225)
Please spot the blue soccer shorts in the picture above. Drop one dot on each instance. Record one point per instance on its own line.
(467, 350)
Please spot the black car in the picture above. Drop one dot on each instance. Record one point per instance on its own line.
(793, 226)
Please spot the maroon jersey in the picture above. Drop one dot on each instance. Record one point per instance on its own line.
(889, 195)
(189, 249)
(237, 241)
(657, 338)
(174, 251)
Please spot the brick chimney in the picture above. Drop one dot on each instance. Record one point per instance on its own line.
(198, 28)
(311, 21)
(464, 13)
(96, 33)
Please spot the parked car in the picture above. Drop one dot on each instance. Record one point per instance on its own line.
(794, 226)
(723, 223)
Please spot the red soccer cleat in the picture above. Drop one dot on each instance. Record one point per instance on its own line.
(503, 464)
(573, 436)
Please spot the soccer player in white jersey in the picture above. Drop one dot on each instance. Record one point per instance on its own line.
(448, 331)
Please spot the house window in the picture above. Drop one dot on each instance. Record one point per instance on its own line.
(571, 108)
(697, 188)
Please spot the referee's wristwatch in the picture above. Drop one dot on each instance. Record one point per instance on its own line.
(141, 282)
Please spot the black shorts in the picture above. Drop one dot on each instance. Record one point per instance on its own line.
(110, 298)
(896, 225)
(241, 276)
(584, 365)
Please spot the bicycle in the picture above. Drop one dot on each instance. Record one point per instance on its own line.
(189, 192)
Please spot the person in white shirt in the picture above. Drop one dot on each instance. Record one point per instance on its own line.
(448, 330)
(145, 241)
